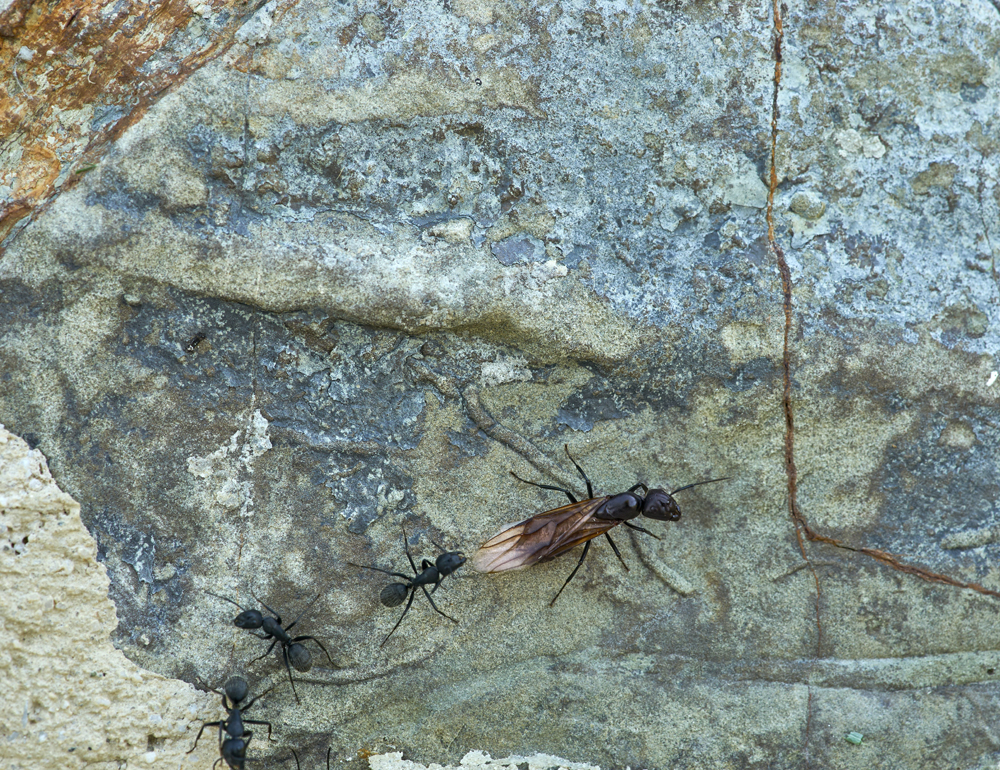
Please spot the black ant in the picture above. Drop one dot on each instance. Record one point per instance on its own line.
(295, 754)
(394, 593)
(292, 651)
(233, 737)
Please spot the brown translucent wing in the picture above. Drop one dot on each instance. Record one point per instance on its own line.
(541, 537)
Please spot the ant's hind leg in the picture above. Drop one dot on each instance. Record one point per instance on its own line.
(408, 603)
(583, 556)
(615, 549)
(318, 642)
(203, 726)
(288, 668)
(384, 571)
(406, 547)
(258, 722)
(566, 492)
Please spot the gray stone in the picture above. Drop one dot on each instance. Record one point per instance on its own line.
(426, 246)
(807, 205)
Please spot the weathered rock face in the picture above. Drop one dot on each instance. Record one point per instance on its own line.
(82, 72)
(347, 277)
(75, 700)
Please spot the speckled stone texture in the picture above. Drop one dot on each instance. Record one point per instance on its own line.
(352, 271)
(73, 700)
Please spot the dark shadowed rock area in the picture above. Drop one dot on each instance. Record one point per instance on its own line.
(348, 275)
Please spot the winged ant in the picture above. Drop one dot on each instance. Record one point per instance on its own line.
(552, 533)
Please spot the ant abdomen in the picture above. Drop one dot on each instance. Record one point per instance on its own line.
(299, 657)
(393, 594)
(236, 689)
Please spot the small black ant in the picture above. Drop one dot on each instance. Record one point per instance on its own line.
(394, 593)
(292, 651)
(295, 754)
(233, 737)
(192, 344)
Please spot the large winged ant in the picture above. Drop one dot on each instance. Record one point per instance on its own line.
(553, 533)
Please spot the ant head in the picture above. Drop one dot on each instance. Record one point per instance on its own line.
(447, 563)
(299, 657)
(393, 594)
(237, 689)
(661, 506)
(249, 619)
(621, 507)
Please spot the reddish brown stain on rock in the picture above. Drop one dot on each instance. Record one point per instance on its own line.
(94, 58)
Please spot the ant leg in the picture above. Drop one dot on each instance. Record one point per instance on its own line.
(406, 547)
(408, 603)
(297, 765)
(590, 489)
(583, 556)
(318, 642)
(630, 525)
(436, 607)
(288, 668)
(258, 722)
(202, 684)
(615, 549)
(203, 726)
(568, 494)
(253, 700)
(640, 485)
(301, 613)
(383, 571)
(266, 653)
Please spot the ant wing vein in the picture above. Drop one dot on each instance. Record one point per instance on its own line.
(541, 537)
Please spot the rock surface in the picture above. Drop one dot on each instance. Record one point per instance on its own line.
(348, 275)
(73, 699)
